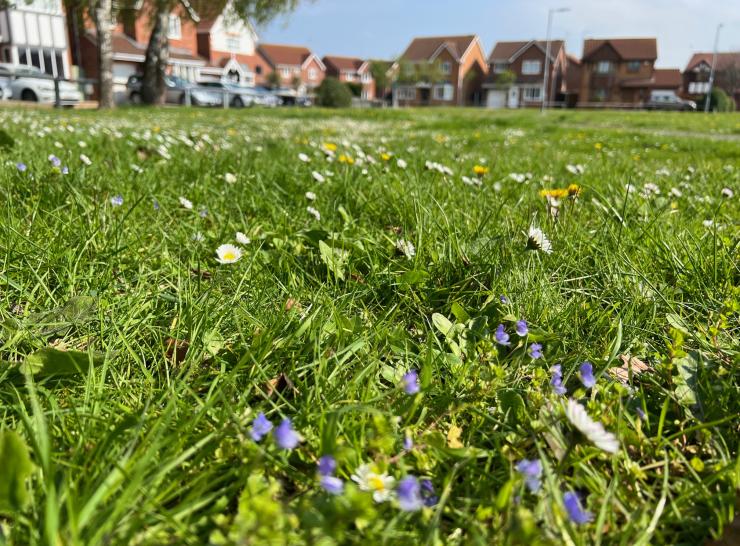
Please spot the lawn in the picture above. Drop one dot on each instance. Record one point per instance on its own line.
(432, 327)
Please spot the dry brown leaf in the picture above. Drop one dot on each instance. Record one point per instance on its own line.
(281, 384)
(631, 365)
(177, 349)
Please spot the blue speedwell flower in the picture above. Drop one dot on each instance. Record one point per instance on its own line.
(576, 513)
(410, 382)
(116, 200)
(531, 470)
(21, 167)
(409, 494)
(503, 299)
(285, 436)
(535, 350)
(55, 161)
(557, 380)
(327, 465)
(502, 338)
(260, 427)
(408, 443)
(587, 375)
(521, 328)
(427, 493)
(332, 485)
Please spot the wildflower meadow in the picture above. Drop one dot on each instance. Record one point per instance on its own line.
(369, 327)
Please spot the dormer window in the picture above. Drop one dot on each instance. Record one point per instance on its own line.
(446, 67)
(531, 68)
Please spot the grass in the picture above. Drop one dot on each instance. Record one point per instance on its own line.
(134, 363)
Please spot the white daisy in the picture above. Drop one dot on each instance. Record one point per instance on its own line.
(401, 164)
(537, 240)
(368, 479)
(242, 239)
(318, 176)
(316, 214)
(591, 429)
(186, 203)
(406, 248)
(675, 192)
(228, 254)
(86, 160)
(303, 157)
(575, 169)
(230, 178)
(728, 193)
(311, 196)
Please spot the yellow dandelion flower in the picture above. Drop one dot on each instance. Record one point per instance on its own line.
(330, 146)
(574, 190)
(480, 170)
(346, 159)
(385, 157)
(598, 145)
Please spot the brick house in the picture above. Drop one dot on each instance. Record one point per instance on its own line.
(300, 70)
(525, 63)
(229, 45)
(726, 77)
(353, 71)
(440, 71)
(617, 72)
(34, 34)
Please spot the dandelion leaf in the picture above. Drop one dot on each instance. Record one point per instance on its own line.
(16, 464)
(53, 362)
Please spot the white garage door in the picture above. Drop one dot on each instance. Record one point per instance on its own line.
(496, 98)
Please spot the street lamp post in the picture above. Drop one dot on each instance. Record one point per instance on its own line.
(711, 72)
(546, 79)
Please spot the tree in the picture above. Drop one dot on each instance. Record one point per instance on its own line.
(257, 12)
(333, 94)
(273, 80)
(296, 83)
(103, 17)
(379, 71)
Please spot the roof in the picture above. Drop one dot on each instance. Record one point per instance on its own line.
(724, 60)
(507, 51)
(343, 63)
(277, 54)
(626, 48)
(424, 49)
(667, 78)
(573, 75)
(124, 45)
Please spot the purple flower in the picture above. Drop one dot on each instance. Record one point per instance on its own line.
(640, 413)
(531, 470)
(260, 427)
(327, 465)
(21, 167)
(155, 204)
(503, 299)
(203, 213)
(116, 200)
(576, 513)
(409, 494)
(587, 375)
(285, 436)
(535, 350)
(557, 380)
(408, 443)
(65, 170)
(410, 382)
(55, 161)
(521, 328)
(427, 493)
(502, 338)
(332, 485)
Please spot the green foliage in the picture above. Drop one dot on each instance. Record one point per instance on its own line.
(333, 94)
(273, 80)
(16, 464)
(506, 78)
(355, 88)
(719, 101)
(379, 71)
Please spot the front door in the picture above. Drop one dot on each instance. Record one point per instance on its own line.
(424, 94)
(513, 97)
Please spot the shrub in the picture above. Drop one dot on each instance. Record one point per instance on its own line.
(333, 94)
(355, 88)
(719, 101)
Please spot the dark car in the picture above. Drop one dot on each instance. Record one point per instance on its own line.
(176, 92)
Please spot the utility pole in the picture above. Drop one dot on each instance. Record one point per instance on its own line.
(711, 72)
(546, 78)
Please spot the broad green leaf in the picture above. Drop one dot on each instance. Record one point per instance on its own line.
(460, 313)
(415, 276)
(53, 362)
(512, 406)
(686, 382)
(678, 323)
(334, 259)
(442, 324)
(16, 469)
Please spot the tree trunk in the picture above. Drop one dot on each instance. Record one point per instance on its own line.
(103, 22)
(157, 57)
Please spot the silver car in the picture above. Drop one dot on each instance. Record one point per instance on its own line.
(176, 92)
(28, 83)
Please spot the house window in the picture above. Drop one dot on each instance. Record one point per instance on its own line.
(532, 94)
(500, 68)
(603, 67)
(530, 67)
(698, 88)
(258, 70)
(599, 94)
(633, 66)
(366, 77)
(312, 74)
(285, 72)
(174, 27)
(444, 92)
(406, 93)
(348, 76)
(365, 94)
(232, 43)
(446, 67)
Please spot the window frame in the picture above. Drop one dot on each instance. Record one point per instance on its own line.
(526, 92)
(531, 71)
(174, 33)
(600, 65)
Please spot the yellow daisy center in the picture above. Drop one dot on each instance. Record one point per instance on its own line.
(229, 256)
(376, 483)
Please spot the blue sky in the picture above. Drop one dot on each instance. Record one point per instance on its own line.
(383, 28)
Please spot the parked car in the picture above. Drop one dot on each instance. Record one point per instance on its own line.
(669, 101)
(31, 84)
(176, 92)
(239, 96)
(265, 97)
